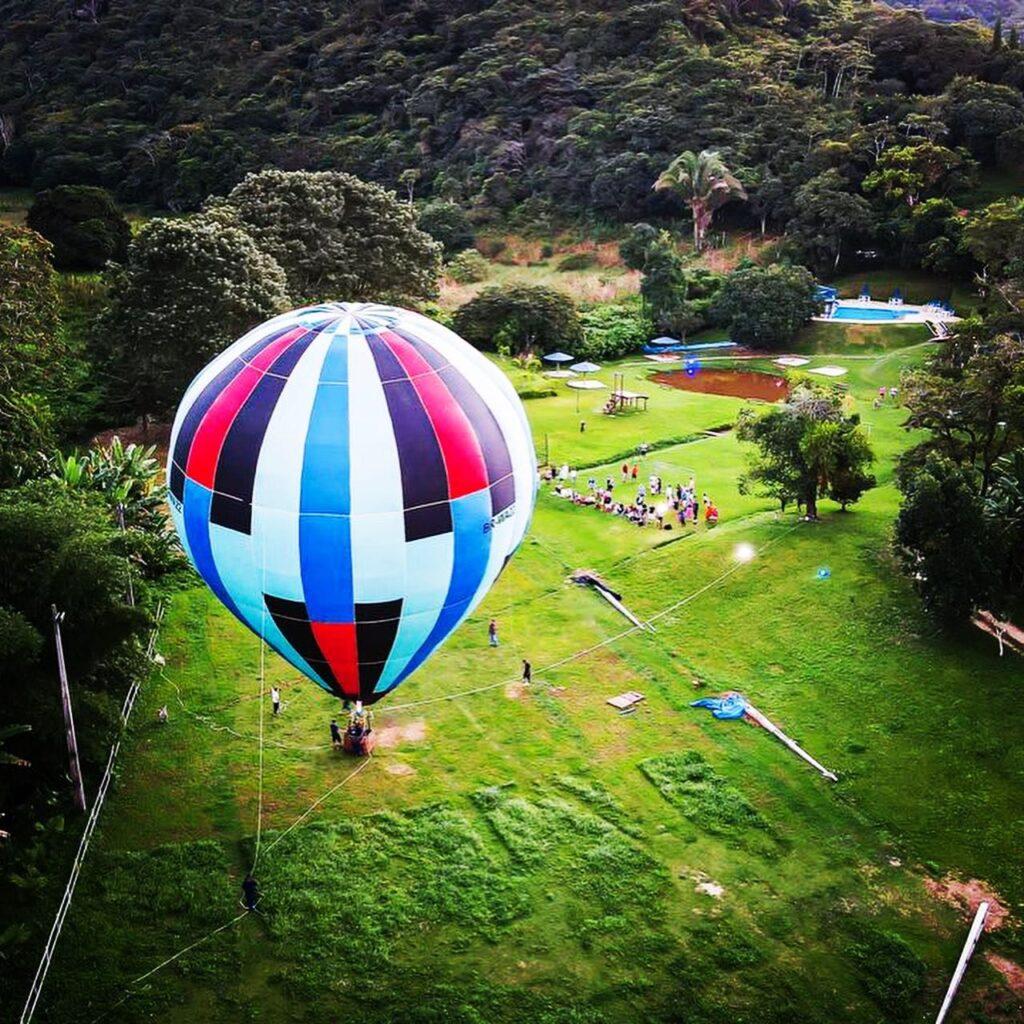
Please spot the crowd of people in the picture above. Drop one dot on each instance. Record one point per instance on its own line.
(651, 503)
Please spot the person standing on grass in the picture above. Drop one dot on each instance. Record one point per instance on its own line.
(625, 472)
(492, 633)
(636, 470)
(336, 738)
(275, 699)
(250, 892)
(527, 673)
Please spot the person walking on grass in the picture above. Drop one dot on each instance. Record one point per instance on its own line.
(527, 673)
(275, 699)
(250, 893)
(492, 633)
(336, 738)
(625, 472)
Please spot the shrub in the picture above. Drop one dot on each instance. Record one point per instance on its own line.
(446, 222)
(83, 224)
(577, 261)
(467, 267)
(613, 330)
(519, 319)
(764, 307)
(894, 972)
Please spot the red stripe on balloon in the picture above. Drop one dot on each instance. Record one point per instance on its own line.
(209, 437)
(337, 642)
(460, 448)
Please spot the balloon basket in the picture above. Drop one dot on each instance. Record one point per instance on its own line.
(361, 747)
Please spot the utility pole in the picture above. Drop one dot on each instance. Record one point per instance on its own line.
(69, 718)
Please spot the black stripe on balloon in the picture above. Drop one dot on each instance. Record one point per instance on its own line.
(199, 408)
(235, 476)
(424, 480)
(488, 434)
(376, 628)
(292, 618)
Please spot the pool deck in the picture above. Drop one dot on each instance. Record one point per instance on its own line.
(911, 314)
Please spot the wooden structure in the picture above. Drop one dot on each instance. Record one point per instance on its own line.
(621, 400)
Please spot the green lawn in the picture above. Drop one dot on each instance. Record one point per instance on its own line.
(536, 856)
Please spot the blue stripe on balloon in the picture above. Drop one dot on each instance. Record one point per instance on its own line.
(325, 540)
(197, 530)
(470, 516)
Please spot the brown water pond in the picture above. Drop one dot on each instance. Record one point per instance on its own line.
(736, 383)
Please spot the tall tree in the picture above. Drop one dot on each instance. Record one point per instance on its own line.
(970, 399)
(31, 351)
(335, 236)
(519, 319)
(807, 449)
(190, 287)
(83, 224)
(764, 307)
(704, 183)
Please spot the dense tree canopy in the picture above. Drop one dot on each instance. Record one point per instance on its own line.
(807, 449)
(335, 237)
(608, 95)
(764, 307)
(520, 319)
(30, 350)
(446, 222)
(84, 226)
(190, 287)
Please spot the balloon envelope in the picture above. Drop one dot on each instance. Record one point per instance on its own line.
(349, 480)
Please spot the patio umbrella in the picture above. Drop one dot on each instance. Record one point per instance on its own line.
(557, 357)
(585, 367)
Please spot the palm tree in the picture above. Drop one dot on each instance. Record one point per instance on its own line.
(704, 182)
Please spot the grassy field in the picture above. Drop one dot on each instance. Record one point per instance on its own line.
(534, 856)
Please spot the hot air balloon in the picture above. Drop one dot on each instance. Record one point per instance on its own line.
(350, 479)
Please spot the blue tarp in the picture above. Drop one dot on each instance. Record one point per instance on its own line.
(656, 347)
(732, 705)
(826, 293)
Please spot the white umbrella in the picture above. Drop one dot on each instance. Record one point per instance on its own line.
(585, 367)
(557, 357)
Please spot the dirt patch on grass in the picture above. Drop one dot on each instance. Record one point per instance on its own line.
(710, 888)
(968, 895)
(516, 690)
(1013, 974)
(399, 769)
(392, 735)
(734, 383)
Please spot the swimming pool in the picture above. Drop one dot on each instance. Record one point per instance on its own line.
(858, 311)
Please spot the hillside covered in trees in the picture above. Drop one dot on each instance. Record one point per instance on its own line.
(575, 107)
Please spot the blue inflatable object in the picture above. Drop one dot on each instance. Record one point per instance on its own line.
(732, 705)
(824, 572)
(691, 366)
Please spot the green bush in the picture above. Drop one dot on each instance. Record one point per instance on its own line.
(446, 222)
(893, 972)
(613, 330)
(577, 261)
(519, 319)
(467, 267)
(83, 224)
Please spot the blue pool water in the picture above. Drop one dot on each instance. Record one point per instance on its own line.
(857, 312)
